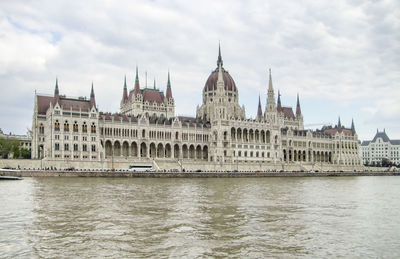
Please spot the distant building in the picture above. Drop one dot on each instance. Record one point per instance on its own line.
(24, 140)
(373, 151)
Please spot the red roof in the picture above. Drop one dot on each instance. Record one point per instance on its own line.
(153, 95)
(334, 130)
(74, 104)
(43, 103)
(211, 83)
(288, 112)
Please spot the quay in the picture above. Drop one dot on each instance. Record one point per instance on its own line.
(208, 174)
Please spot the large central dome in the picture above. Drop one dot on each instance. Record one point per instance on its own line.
(211, 83)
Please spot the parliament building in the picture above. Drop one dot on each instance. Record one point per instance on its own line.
(73, 132)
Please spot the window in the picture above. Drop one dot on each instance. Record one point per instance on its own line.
(66, 126)
(84, 147)
(84, 127)
(57, 137)
(93, 148)
(66, 137)
(57, 126)
(76, 138)
(93, 138)
(93, 128)
(56, 146)
(66, 147)
(75, 147)
(75, 126)
(41, 129)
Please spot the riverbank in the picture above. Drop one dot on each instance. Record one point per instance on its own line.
(127, 174)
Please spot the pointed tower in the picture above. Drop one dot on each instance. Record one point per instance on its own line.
(219, 61)
(353, 129)
(339, 123)
(56, 93)
(154, 84)
(125, 92)
(92, 98)
(259, 111)
(298, 110)
(169, 92)
(279, 107)
(271, 95)
(137, 86)
(169, 100)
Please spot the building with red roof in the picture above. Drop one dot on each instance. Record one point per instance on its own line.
(69, 131)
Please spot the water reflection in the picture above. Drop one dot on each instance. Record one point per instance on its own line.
(279, 217)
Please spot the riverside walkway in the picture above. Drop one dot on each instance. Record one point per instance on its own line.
(208, 174)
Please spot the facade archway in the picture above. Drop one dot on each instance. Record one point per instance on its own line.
(117, 148)
(152, 150)
(125, 149)
(143, 150)
(176, 151)
(134, 149)
(160, 150)
(108, 148)
(167, 150)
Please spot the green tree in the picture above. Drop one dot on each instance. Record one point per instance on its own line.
(9, 145)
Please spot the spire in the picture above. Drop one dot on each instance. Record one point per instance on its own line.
(169, 92)
(137, 86)
(298, 110)
(56, 92)
(154, 84)
(339, 123)
(353, 129)
(219, 61)
(271, 95)
(125, 91)
(279, 108)
(92, 98)
(220, 79)
(259, 111)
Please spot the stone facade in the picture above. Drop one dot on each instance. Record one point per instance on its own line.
(220, 137)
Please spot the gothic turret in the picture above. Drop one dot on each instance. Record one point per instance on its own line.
(353, 129)
(279, 107)
(339, 123)
(137, 86)
(298, 110)
(92, 98)
(125, 92)
(259, 111)
(219, 61)
(169, 92)
(271, 97)
(56, 93)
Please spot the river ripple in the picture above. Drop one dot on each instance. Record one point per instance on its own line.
(196, 218)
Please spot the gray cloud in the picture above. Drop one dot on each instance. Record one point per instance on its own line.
(345, 53)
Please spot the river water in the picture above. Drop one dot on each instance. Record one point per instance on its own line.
(196, 218)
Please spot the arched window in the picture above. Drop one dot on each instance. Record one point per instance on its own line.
(84, 127)
(41, 129)
(66, 126)
(75, 127)
(57, 126)
(93, 128)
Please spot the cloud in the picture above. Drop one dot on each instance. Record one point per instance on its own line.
(342, 53)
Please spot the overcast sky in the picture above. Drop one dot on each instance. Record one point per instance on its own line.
(342, 57)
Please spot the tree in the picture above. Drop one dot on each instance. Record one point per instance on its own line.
(9, 145)
(25, 153)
